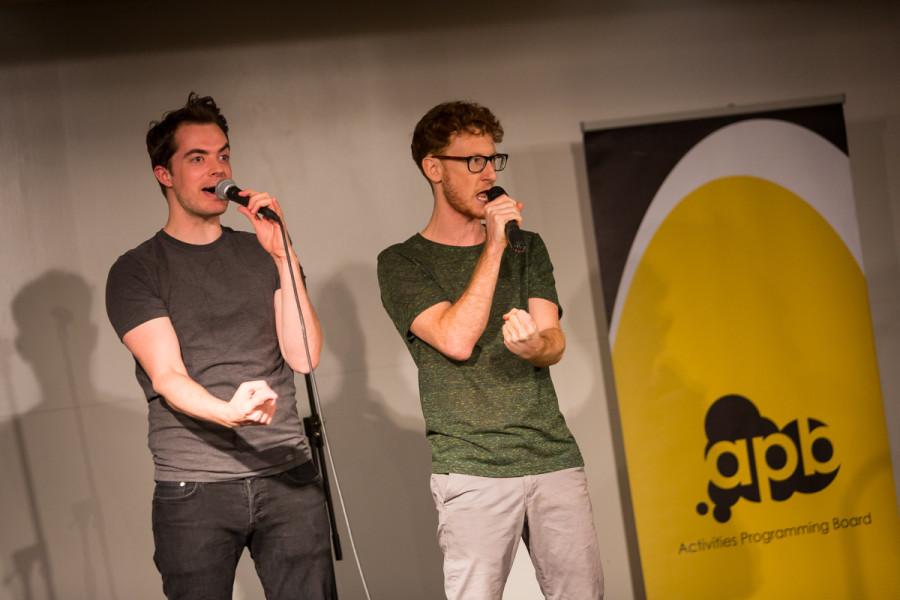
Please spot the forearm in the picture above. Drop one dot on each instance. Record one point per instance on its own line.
(288, 323)
(155, 345)
(189, 397)
(550, 349)
(462, 324)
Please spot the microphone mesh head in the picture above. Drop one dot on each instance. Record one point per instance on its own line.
(494, 193)
(222, 188)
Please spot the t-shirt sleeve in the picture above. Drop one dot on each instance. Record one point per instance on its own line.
(407, 289)
(541, 283)
(132, 297)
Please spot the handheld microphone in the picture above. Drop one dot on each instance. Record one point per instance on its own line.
(513, 234)
(228, 190)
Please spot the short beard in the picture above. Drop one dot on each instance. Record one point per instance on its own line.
(458, 203)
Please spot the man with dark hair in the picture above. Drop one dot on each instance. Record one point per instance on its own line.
(482, 325)
(161, 136)
(210, 317)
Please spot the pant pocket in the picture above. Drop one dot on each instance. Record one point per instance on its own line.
(303, 474)
(445, 488)
(173, 491)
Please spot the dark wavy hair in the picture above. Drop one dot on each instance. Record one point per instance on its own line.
(433, 131)
(161, 136)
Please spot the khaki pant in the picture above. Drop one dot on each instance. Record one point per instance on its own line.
(480, 521)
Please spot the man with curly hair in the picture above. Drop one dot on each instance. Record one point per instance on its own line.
(482, 325)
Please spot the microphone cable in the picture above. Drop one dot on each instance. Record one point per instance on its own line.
(313, 388)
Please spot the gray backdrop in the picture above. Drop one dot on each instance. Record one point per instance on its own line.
(322, 101)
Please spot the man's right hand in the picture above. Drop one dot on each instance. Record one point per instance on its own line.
(453, 329)
(253, 403)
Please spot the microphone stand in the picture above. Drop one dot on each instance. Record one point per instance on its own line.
(315, 429)
(312, 425)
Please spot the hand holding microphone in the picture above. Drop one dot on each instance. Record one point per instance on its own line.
(513, 234)
(267, 230)
(228, 190)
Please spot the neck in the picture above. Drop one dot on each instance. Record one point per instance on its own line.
(193, 229)
(452, 228)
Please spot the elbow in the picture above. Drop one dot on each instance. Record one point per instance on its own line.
(459, 356)
(296, 356)
(312, 365)
(303, 366)
(162, 384)
(459, 352)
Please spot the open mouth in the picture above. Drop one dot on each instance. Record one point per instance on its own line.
(210, 190)
(482, 196)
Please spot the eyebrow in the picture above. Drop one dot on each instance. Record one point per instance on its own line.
(204, 152)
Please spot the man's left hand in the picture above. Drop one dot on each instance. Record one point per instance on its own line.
(521, 335)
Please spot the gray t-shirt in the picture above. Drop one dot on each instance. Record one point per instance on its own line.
(219, 297)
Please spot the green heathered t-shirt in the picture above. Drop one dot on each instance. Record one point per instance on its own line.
(495, 414)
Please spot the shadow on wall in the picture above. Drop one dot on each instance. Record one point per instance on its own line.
(383, 459)
(76, 510)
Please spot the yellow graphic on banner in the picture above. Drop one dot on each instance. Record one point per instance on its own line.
(751, 406)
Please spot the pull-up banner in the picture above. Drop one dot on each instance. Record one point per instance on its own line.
(743, 354)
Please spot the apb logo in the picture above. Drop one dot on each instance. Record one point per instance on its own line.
(749, 457)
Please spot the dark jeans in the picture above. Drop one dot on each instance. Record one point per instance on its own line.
(201, 529)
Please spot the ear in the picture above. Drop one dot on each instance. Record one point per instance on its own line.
(163, 175)
(433, 169)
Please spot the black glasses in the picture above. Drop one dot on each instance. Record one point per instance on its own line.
(477, 163)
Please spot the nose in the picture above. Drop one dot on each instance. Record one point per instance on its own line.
(489, 174)
(220, 168)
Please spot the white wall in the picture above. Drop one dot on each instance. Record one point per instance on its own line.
(323, 121)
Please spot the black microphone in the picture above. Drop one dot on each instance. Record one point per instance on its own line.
(228, 190)
(513, 234)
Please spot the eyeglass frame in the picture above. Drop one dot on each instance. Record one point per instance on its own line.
(487, 159)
